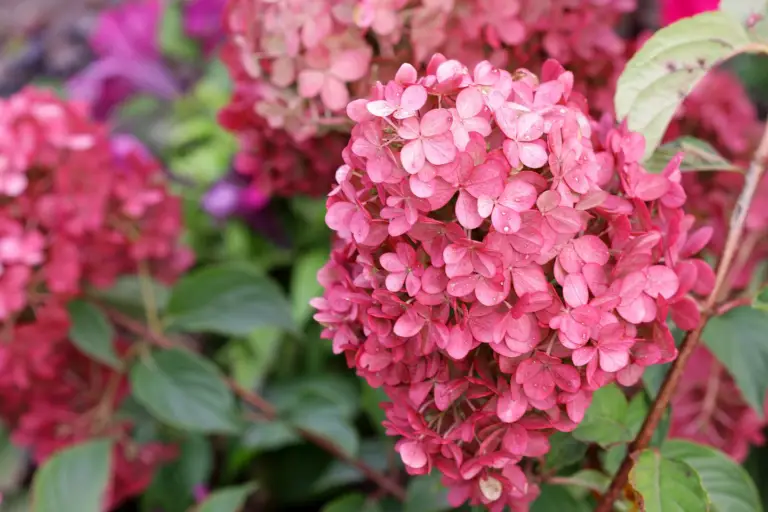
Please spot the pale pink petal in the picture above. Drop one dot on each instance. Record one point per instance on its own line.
(436, 122)
(413, 454)
(530, 127)
(469, 102)
(439, 149)
(518, 195)
(533, 155)
(334, 94)
(414, 97)
(466, 211)
(409, 324)
(380, 108)
(311, 83)
(351, 65)
(575, 290)
(662, 280)
(412, 156)
(511, 405)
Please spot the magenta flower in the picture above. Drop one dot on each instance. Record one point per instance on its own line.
(673, 10)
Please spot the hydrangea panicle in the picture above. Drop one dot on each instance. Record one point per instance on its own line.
(490, 279)
(78, 209)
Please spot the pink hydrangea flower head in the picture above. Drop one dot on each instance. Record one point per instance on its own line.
(491, 278)
(78, 209)
(708, 408)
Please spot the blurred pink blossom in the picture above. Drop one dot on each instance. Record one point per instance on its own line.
(673, 10)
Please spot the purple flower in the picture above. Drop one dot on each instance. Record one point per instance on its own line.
(203, 22)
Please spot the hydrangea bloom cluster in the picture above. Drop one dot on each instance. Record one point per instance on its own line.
(77, 210)
(304, 61)
(272, 161)
(500, 257)
(708, 408)
(53, 397)
(720, 112)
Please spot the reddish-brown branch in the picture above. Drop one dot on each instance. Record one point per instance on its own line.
(268, 410)
(732, 243)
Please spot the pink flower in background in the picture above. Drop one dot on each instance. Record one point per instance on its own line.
(673, 10)
(130, 60)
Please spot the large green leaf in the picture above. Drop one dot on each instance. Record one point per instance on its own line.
(304, 285)
(374, 453)
(605, 422)
(184, 390)
(738, 340)
(667, 485)
(324, 420)
(728, 485)
(92, 333)
(659, 76)
(564, 450)
(75, 479)
(229, 499)
(250, 359)
(699, 156)
(232, 299)
(127, 296)
(270, 435)
(353, 502)
(426, 494)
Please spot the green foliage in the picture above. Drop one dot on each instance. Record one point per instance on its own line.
(426, 494)
(13, 461)
(738, 340)
(555, 498)
(173, 41)
(699, 155)
(75, 478)
(665, 484)
(92, 332)
(232, 299)
(230, 499)
(728, 486)
(184, 390)
(668, 66)
(606, 421)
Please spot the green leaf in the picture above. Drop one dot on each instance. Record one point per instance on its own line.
(659, 76)
(304, 285)
(92, 333)
(184, 390)
(75, 478)
(612, 458)
(374, 453)
(564, 450)
(666, 485)
(555, 498)
(251, 358)
(426, 494)
(761, 300)
(230, 499)
(636, 413)
(126, 295)
(337, 392)
(172, 489)
(13, 463)
(605, 420)
(325, 422)
(233, 299)
(271, 435)
(699, 156)
(173, 40)
(353, 502)
(728, 485)
(18, 502)
(583, 482)
(738, 340)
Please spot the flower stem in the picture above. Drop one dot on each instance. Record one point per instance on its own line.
(733, 241)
